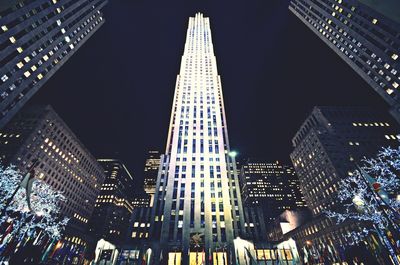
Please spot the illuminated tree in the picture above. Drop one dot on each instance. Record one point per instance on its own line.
(370, 196)
(45, 214)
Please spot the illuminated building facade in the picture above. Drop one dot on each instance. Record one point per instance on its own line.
(36, 38)
(113, 206)
(64, 163)
(197, 190)
(326, 149)
(365, 34)
(150, 173)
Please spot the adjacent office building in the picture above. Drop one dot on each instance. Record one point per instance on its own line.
(113, 206)
(150, 173)
(268, 189)
(141, 199)
(365, 34)
(64, 163)
(197, 204)
(327, 147)
(271, 184)
(36, 38)
(330, 143)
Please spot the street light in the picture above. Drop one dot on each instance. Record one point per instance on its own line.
(233, 154)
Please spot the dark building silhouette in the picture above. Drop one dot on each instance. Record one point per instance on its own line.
(270, 185)
(150, 173)
(268, 189)
(141, 199)
(36, 38)
(113, 206)
(365, 34)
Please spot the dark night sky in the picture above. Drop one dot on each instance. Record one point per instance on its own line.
(116, 92)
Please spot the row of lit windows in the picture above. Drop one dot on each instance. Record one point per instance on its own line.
(9, 135)
(80, 218)
(140, 235)
(371, 124)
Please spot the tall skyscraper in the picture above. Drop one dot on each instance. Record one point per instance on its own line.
(365, 34)
(64, 163)
(150, 173)
(326, 149)
(36, 38)
(197, 202)
(113, 206)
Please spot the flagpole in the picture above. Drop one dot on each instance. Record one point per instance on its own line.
(374, 192)
(381, 235)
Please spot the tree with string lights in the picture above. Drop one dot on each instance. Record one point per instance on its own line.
(370, 195)
(30, 211)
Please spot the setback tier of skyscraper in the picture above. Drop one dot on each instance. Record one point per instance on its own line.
(36, 38)
(365, 34)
